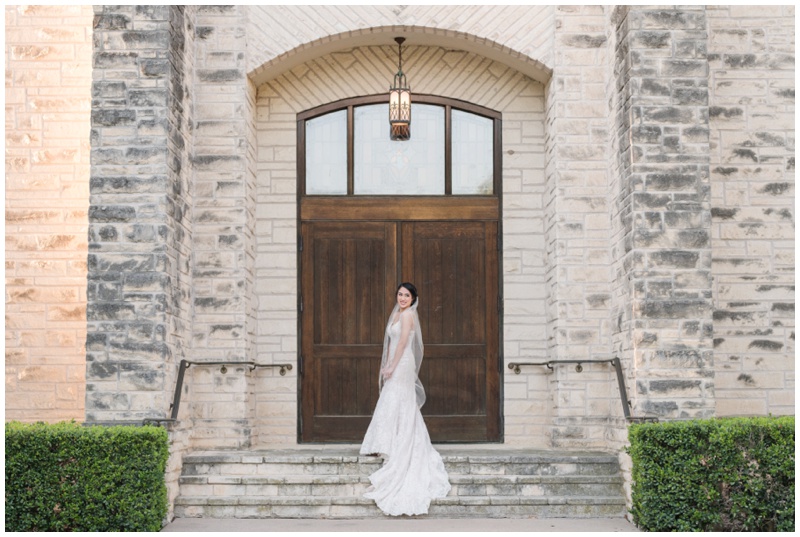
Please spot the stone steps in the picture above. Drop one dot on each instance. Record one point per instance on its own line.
(307, 485)
(329, 483)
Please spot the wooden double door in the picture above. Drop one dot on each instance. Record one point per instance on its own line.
(349, 274)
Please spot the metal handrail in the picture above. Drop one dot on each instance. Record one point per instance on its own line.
(185, 364)
(623, 393)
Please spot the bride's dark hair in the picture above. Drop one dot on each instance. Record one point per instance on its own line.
(411, 289)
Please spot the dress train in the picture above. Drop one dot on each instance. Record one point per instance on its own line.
(413, 472)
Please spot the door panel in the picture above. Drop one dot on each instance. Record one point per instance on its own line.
(349, 274)
(454, 266)
(345, 267)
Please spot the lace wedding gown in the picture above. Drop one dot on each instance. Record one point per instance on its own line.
(413, 472)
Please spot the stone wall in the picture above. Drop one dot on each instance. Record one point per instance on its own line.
(751, 108)
(663, 204)
(48, 77)
(140, 230)
(222, 405)
(648, 208)
(578, 258)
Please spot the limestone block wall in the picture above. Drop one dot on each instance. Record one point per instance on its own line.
(648, 203)
(752, 120)
(451, 73)
(48, 78)
(141, 208)
(222, 405)
(578, 229)
(664, 199)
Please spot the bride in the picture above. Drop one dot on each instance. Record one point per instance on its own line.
(413, 472)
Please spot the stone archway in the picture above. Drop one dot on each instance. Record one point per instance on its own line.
(520, 37)
(446, 72)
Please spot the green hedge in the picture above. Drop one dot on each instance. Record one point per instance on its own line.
(729, 474)
(65, 477)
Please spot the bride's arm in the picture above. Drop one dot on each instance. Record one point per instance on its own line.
(405, 329)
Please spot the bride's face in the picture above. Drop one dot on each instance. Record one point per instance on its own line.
(403, 298)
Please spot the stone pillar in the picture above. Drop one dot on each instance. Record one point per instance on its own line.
(223, 405)
(138, 272)
(577, 228)
(661, 214)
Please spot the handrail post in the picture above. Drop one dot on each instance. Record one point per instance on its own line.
(176, 399)
(623, 393)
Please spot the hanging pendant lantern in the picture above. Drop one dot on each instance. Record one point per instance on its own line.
(400, 100)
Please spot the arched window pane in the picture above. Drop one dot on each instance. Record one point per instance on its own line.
(385, 167)
(473, 153)
(326, 154)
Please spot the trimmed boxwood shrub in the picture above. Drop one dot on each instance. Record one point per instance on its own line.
(65, 477)
(728, 474)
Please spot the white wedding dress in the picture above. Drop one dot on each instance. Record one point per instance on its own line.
(413, 472)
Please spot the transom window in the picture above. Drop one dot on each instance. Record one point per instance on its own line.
(345, 150)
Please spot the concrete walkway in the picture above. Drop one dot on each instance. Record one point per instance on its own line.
(402, 525)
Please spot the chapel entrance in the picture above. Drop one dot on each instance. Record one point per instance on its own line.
(354, 251)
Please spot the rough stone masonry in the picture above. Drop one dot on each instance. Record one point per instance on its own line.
(648, 190)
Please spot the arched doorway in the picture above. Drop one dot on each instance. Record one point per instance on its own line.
(374, 212)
